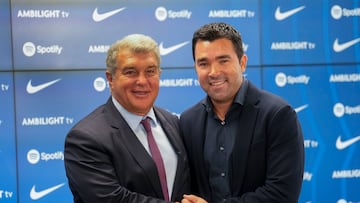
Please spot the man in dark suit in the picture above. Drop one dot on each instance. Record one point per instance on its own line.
(108, 157)
(244, 144)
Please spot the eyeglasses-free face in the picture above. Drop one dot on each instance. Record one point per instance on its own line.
(135, 83)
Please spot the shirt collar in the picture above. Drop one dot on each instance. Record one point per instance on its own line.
(133, 120)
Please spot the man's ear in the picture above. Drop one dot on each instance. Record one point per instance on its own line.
(243, 62)
(109, 78)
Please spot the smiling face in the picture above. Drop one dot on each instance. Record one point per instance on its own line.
(135, 83)
(219, 69)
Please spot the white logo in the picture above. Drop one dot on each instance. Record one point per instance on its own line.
(34, 195)
(49, 120)
(34, 89)
(99, 84)
(33, 156)
(340, 145)
(231, 13)
(97, 17)
(293, 45)
(300, 108)
(341, 201)
(29, 49)
(283, 15)
(347, 173)
(336, 12)
(343, 77)
(168, 50)
(307, 176)
(161, 13)
(339, 109)
(341, 47)
(98, 48)
(280, 79)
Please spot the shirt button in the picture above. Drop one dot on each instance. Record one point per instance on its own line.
(221, 148)
(222, 174)
(222, 122)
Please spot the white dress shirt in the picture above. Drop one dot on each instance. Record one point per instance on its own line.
(167, 152)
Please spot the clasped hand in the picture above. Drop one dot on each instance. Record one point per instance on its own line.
(192, 199)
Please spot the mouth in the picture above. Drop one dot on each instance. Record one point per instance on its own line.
(141, 93)
(217, 83)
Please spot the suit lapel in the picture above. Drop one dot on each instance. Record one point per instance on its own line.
(196, 128)
(243, 140)
(142, 157)
(134, 146)
(174, 138)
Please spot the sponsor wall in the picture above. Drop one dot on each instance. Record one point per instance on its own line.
(52, 61)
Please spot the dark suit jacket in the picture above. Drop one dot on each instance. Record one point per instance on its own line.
(267, 160)
(105, 162)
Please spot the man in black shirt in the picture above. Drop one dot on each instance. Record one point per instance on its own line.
(244, 144)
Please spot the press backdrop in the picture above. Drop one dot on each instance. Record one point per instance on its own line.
(52, 62)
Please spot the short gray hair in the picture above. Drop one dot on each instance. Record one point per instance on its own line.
(136, 43)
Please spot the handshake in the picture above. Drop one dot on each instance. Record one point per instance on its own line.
(192, 199)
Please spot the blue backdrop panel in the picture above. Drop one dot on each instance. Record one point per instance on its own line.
(67, 35)
(48, 104)
(315, 92)
(342, 31)
(8, 187)
(179, 89)
(307, 52)
(299, 32)
(5, 36)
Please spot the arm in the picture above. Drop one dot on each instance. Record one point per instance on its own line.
(284, 155)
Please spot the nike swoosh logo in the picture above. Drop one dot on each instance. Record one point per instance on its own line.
(34, 195)
(165, 51)
(283, 15)
(300, 108)
(34, 89)
(97, 17)
(341, 47)
(340, 145)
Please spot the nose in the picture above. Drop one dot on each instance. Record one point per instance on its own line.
(214, 70)
(141, 79)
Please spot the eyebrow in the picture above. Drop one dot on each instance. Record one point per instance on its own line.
(134, 67)
(226, 56)
(201, 60)
(152, 66)
(127, 68)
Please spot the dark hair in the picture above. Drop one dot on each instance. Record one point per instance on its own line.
(213, 31)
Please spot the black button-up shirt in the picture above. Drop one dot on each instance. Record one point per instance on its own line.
(220, 136)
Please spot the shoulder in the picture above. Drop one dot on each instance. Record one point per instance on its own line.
(164, 114)
(92, 117)
(264, 99)
(195, 109)
(92, 125)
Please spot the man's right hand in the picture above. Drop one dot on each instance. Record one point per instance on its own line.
(192, 199)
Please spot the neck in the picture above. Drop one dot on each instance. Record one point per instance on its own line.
(221, 109)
